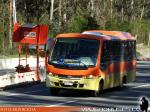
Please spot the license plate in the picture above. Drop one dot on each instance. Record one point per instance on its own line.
(68, 83)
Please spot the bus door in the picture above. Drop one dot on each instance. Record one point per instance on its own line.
(107, 65)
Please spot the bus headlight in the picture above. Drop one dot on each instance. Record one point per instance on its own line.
(53, 75)
(89, 76)
(49, 73)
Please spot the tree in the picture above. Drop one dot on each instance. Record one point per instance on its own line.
(76, 16)
(10, 24)
(51, 10)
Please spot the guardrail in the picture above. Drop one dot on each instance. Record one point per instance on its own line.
(9, 77)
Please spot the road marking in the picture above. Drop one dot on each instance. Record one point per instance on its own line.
(58, 104)
(145, 85)
(16, 94)
(35, 91)
(24, 103)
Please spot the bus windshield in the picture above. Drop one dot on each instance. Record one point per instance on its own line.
(74, 53)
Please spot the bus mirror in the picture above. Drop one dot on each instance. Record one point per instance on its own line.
(49, 44)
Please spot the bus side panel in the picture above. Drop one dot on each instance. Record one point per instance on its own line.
(109, 76)
(130, 71)
(115, 72)
(119, 71)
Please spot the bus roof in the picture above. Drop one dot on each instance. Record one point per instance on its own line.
(101, 35)
(111, 35)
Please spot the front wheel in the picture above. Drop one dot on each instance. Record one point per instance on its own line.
(100, 89)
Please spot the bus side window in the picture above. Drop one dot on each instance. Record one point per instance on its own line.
(130, 51)
(133, 49)
(106, 55)
(116, 50)
(134, 46)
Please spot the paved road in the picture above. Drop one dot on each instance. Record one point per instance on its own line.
(126, 98)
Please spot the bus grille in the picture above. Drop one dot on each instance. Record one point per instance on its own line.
(69, 77)
(75, 84)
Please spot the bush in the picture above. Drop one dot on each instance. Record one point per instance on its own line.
(82, 21)
(118, 26)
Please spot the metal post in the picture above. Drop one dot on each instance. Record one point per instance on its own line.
(26, 53)
(37, 52)
(19, 52)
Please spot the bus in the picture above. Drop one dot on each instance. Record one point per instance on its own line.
(93, 60)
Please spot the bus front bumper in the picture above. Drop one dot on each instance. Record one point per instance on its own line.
(67, 83)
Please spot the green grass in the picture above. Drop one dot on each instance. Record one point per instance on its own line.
(143, 50)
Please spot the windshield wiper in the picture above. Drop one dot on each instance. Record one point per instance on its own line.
(62, 61)
(79, 61)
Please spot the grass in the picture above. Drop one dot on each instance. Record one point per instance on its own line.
(143, 50)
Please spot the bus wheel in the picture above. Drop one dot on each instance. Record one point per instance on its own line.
(100, 89)
(54, 91)
(121, 85)
(122, 82)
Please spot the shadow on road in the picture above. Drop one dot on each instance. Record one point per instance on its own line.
(129, 95)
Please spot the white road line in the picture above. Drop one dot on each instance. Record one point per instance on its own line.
(35, 91)
(145, 85)
(58, 104)
(26, 103)
(16, 94)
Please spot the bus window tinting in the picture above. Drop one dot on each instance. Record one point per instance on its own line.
(115, 51)
(74, 52)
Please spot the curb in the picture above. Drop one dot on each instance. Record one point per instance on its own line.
(20, 85)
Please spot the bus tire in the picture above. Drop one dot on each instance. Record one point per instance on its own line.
(54, 91)
(122, 82)
(100, 89)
